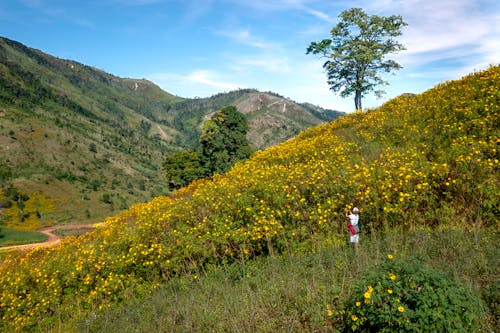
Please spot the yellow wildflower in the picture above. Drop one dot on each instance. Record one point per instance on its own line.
(329, 312)
(354, 317)
(401, 309)
(367, 295)
(358, 303)
(392, 277)
(390, 256)
(389, 291)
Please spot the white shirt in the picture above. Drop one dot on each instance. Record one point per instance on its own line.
(354, 219)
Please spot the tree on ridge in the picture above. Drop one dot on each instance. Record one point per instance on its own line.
(356, 52)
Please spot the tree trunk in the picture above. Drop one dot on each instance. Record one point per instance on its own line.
(357, 100)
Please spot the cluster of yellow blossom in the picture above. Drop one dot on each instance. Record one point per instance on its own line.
(31, 216)
(373, 298)
(399, 163)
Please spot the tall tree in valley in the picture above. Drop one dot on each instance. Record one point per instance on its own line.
(223, 140)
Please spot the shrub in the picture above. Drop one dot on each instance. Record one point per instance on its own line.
(93, 147)
(401, 296)
(106, 198)
(182, 168)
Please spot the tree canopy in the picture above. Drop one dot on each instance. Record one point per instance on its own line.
(223, 140)
(182, 168)
(356, 52)
(223, 143)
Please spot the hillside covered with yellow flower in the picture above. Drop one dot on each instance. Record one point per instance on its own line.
(427, 161)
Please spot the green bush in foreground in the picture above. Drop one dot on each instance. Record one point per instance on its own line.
(402, 296)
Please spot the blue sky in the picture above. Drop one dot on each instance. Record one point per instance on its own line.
(202, 47)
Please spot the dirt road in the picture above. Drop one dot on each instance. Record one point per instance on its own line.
(53, 238)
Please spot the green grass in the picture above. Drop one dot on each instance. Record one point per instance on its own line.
(73, 232)
(293, 293)
(15, 237)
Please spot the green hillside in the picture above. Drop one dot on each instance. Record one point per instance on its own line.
(272, 118)
(92, 143)
(423, 163)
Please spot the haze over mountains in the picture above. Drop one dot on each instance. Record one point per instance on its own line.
(94, 143)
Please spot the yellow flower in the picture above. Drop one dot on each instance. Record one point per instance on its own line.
(367, 295)
(392, 277)
(401, 309)
(354, 317)
(329, 312)
(390, 256)
(358, 303)
(389, 291)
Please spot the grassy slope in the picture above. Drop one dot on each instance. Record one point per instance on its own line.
(294, 293)
(418, 162)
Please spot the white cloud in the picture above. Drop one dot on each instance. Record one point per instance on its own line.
(244, 36)
(198, 83)
(275, 5)
(196, 9)
(445, 29)
(270, 57)
(490, 44)
(269, 63)
(319, 14)
(285, 5)
(54, 13)
(211, 79)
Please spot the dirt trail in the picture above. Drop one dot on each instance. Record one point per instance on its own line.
(162, 133)
(53, 238)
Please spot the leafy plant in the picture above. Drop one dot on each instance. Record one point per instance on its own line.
(404, 296)
(106, 198)
(182, 167)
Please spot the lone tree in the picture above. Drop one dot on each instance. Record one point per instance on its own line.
(356, 52)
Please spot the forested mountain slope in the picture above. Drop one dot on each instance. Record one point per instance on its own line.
(88, 144)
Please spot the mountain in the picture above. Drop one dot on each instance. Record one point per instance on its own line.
(92, 143)
(421, 168)
(272, 118)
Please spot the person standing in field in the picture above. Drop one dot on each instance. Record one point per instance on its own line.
(353, 226)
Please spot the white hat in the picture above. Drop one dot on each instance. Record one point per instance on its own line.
(355, 210)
